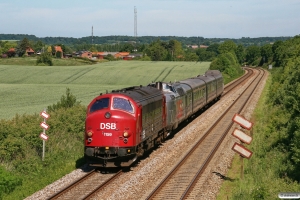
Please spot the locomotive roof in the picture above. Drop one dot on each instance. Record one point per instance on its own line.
(139, 93)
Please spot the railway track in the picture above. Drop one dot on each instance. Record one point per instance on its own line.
(242, 80)
(180, 182)
(93, 182)
(85, 187)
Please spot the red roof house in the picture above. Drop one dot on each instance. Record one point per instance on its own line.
(29, 51)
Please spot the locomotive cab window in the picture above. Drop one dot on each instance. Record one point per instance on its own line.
(100, 104)
(122, 104)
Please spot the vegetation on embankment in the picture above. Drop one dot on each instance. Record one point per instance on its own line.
(22, 171)
(275, 164)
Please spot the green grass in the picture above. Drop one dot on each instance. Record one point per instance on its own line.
(262, 179)
(29, 89)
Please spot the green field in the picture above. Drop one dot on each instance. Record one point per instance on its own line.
(29, 89)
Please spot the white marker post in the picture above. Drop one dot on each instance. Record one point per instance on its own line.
(242, 121)
(243, 137)
(45, 127)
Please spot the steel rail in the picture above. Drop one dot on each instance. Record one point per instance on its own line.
(202, 169)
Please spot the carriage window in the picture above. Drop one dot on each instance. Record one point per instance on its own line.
(122, 104)
(100, 104)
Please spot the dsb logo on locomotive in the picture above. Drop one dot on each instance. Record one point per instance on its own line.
(108, 126)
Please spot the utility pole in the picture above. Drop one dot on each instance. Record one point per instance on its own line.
(135, 22)
(135, 27)
(92, 35)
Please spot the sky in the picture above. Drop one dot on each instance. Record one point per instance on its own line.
(187, 18)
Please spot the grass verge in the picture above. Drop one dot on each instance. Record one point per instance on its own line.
(262, 177)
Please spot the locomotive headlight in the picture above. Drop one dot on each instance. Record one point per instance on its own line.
(107, 115)
(89, 134)
(125, 134)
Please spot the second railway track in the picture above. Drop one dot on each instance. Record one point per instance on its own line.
(179, 183)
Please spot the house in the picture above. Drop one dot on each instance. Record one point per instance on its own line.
(203, 46)
(121, 54)
(29, 51)
(11, 52)
(102, 55)
(84, 54)
(132, 56)
(99, 55)
(58, 48)
(193, 46)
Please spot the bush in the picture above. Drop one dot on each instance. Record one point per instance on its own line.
(85, 60)
(145, 58)
(109, 57)
(58, 54)
(44, 58)
(67, 101)
(8, 182)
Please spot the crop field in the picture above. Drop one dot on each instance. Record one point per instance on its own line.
(30, 89)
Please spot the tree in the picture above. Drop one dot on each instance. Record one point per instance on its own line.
(213, 48)
(93, 49)
(127, 48)
(266, 53)
(205, 55)
(227, 46)
(277, 52)
(240, 53)
(22, 46)
(191, 56)
(6, 46)
(38, 46)
(252, 54)
(67, 50)
(156, 51)
(49, 50)
(175, 49)
(228, 64)
(53, 51)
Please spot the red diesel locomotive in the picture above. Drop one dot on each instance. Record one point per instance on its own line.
(117, 123)
(121, 125)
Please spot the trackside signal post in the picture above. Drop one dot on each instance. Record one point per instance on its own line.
(45, 127)
(244, 138)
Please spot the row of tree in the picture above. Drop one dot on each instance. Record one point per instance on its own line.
(172, 50)
(285, 99)
(245, 41)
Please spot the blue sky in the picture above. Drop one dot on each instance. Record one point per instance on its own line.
(205, 18)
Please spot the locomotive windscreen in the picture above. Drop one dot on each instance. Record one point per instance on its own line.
(100, 104)
(122, 104)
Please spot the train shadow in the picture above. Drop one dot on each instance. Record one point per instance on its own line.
(223, 177)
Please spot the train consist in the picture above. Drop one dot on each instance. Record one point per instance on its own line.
(121, 125)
